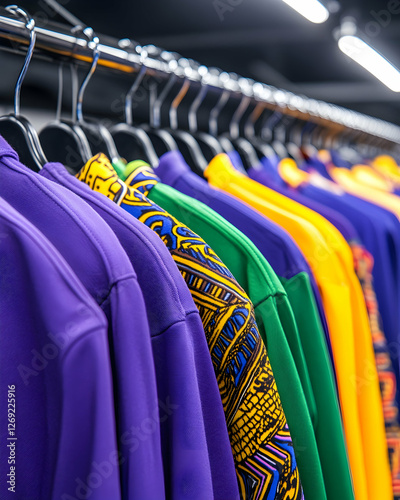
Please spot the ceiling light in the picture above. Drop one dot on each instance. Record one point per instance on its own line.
(371, 60)
(313, 10)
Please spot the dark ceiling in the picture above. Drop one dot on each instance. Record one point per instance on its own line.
(261, 39)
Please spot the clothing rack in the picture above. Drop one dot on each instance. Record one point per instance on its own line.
(58, 42)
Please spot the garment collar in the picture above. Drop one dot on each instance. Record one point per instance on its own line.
(7, 150)
(172, 166)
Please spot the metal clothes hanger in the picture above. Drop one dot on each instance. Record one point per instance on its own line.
(293, 134)
(187, 144)
(262, 148)
(223, 140)
(308, 150)
(293, 140)
(347, 149)
(77, 138)
(97, 135)
(15, 128)
(162, 140)
(209, 144)
(267, 133)
(230, 82)
(172, 138)
(292, 148)
(65, 141)
(242, 144)
(280, 125)
(133, 142)
(316, 136)
(231, 141)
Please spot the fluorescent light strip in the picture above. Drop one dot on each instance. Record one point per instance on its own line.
(371, 60)
(312, 10)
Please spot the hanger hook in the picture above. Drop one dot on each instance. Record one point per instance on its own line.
(216, 111)
(237, 115)
(244, 103)
(315, 134)
(306, 132)
(60, 91)
(249, 126)
(270, 124)
(93, 40)
(30, 25)
(192, 116)
(173, 110)
(263, 94)
(138, 80)
(156, 116)
(273, 120)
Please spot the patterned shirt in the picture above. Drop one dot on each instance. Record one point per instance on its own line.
(262, 447)
(363, 264)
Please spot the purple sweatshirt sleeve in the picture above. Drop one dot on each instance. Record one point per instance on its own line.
(95, 255)
(54, 356)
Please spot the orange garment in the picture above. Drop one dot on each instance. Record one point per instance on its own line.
(369, 177)
(386, 200)
(331, 260)
(388, 167)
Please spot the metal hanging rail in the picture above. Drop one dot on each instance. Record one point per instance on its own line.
(56, 42)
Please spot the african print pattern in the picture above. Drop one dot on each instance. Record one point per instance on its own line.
(262, 447)
(363, 264)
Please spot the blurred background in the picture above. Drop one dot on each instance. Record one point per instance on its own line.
(262, 39)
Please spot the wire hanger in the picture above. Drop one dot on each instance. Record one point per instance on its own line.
(225, 142)
(262, 148)
(133, 142)
(216, 111)
(209, 144)
(240, 143)
(229, 82)
(267, 132)
(97, 135)
(171, 137)
(162, 140)
(187, 144)
(65, 141)
(13, 127)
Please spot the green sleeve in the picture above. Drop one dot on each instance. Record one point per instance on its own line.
(289, 325)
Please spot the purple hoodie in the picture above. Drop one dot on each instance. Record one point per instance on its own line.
(58, 435)
(97, 258)
(181, 356)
